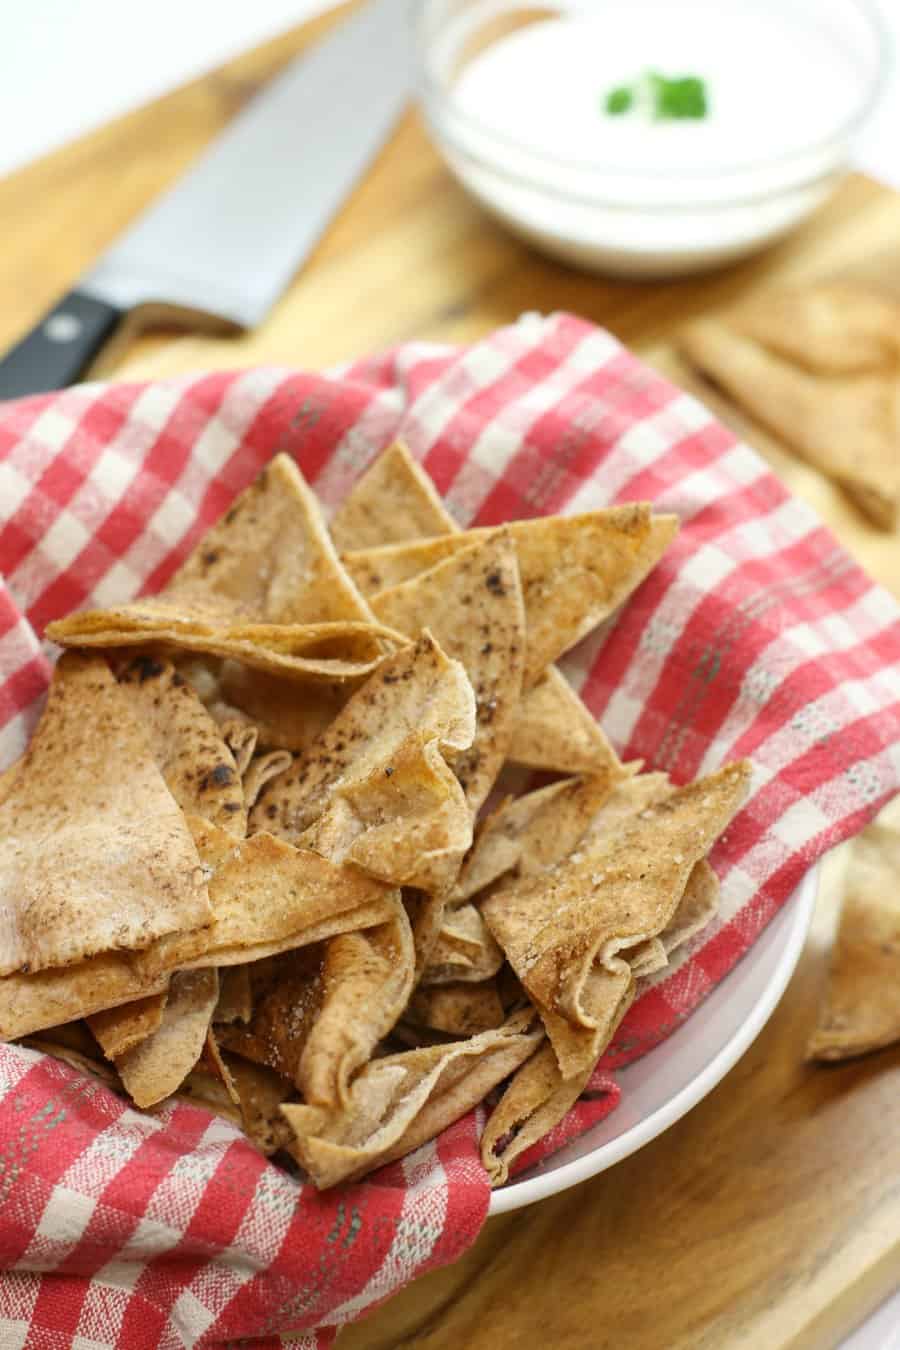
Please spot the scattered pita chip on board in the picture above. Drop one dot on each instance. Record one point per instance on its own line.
(861, 1008)
(95, 855)
(831, 327)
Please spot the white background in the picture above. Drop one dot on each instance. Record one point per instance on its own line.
(69, 65)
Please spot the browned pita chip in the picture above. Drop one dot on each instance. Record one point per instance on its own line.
(345, 650)
(287, 715)
(159, 1064)
(465, 949)
(393, 501)
(472, 602)
(121, 1029)
(241, 736)
(861, 1008)
(235, 995)
(94, 852)
(30, 1003)
(527, 835)
(832, 327)
(270, 558)
(536, 1099)
(847, 426)
(261, 1094)
(402, 1100)
(696, 908)
(554, 730)
(459, 1009)
(260, 770)
(189, 749)
(565, 931)
(575, 570)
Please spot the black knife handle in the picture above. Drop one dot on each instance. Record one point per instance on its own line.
(60, 347)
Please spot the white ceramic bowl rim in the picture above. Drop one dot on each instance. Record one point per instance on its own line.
(550, 1177)
(435, 97)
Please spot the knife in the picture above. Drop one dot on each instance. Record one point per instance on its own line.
(227, 238)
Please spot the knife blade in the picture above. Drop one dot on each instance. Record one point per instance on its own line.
(227, 238)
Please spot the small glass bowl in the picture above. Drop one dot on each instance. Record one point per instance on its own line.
(666, 222)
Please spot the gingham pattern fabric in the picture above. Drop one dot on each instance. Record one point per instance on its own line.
(756, 636)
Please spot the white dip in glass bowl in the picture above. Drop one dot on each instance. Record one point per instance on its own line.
(514, 97)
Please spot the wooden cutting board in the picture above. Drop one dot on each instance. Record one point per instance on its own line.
(769, 1218)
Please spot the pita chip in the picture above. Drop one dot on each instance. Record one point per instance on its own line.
(32, 1002)
(861, 1007)
(696, 909)
(566, 932)
(241, 736)
(270, 558)
(190, 751)
(159, 1064)
(847, 426)
(403, 1100)
(575, 570)
(235, 995)
(95, 855)
(464, 950)
(554, 730)
(121, 1029)
(830, 328)
(261, 1094)
(260, 770)
(457, 1009)
(393, 501)
(472, 603)
(287, 715)
(535, 1101)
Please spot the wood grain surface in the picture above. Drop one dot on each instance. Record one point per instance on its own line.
(769, 1218)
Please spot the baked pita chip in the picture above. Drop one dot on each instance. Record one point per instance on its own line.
(33, 1002)
(270, 558)
(120, 1029)
(241, 736)
(324, 1011)
(94, 852)
(575, 570)
(529, 834)
(345, 650)
(403, 1100)
(190, 751)
(465, 949)
(830, 328)
(235, 995)
(861, 1008)
(565, 929)
(393, 501)
(535, 1101)
(457, 1009)
(260, 770)
(696, 908)
(472, 603)
(261, 1094)
(157, 1067)
(847, 426)
(286, 715)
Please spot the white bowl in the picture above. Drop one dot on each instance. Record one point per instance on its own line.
(661, 1087)
(646, 199)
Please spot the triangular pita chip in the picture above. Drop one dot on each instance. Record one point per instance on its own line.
(536, 1099)
(393, 501)
(575, 570)
(472, 603)
(30, 1003)
(861, 1008)
(401, 1101)
(190, 750)
(465, 949)
(564, 928)
(832, 327)
(158, 1066)
(270, 558)
(554, 730)
(847, 426)
(121, 1029)
(95, 855)
(458, 1009)
(696, 908)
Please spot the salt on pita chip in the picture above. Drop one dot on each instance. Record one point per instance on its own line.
(158, 1066)
(554, 730)
(344, 650)
(529, 834)
(465, 949)
(861, 1007)
(267, 896)
(457, 1009)
(321, 1012)
(190, 751)
(575, 570)
(832, 327)
(472, 603)
(847, 426)
(94, 852)
(119, 1029)
(270, 558)
(241, 736)
(536, 1100)
(235, 995)
(402, 1100)
(564, 928)
(393, 501)
(261, 770)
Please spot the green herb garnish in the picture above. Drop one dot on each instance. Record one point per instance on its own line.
(665, 99)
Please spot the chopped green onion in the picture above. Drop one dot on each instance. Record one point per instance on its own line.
(683, 96)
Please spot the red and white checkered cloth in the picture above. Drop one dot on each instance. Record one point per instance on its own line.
(757, 635)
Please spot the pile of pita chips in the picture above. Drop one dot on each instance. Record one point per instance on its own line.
(255, 857)
(820, 367)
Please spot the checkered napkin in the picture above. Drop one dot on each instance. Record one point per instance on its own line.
(756, 636)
